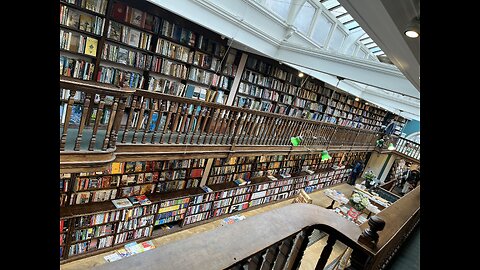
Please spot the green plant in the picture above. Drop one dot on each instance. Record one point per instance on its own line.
(359, 202)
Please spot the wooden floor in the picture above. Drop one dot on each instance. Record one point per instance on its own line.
(312, 253)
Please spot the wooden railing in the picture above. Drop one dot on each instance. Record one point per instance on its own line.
(277, 239)
(407, 147)
(155, 119)
(84, 133)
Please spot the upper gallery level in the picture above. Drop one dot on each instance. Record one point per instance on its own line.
(155, 79)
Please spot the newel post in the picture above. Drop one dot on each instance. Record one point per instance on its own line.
(369, 237)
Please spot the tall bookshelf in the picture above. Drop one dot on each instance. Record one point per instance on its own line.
(139, 45)
(95, 224)
(126, 179)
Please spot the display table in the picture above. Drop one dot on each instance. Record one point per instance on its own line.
(336, 196)
(376, 200)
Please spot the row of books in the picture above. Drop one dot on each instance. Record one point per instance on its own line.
(172, 50)
(97, 231)
(93, 196)
(135, 223)
(124, 13)
(119, 77)
(98, 6)
(126, 56)
(78, 43)
(76, 68)
(90, 245)
(190, 38)
(129, 249)
(79, 20)
(131, 235)
(129, 35)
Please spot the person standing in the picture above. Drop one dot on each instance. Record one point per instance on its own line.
(356, 171)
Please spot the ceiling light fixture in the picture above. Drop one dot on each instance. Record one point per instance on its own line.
(413, 28)
(366, 103)
(357, 99)
(300, 74)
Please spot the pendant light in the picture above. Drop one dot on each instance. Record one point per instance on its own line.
(391, 147)
(296, 140)
(325, 155)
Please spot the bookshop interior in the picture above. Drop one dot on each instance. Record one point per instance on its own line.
(248, 134)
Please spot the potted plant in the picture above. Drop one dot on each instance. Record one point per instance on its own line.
(370, 178)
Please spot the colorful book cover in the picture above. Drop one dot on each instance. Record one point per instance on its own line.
(190, 91)
(118, 11)
(196, 173)
(130, 167)
(133, 200)
(73, 19)
(122, 56)
(123, 253)
(76, 114)
(86, 22)
(122, 203)
(137, 17)
(148, 245)
(131, 248)
(114, 31)
(149, 22)
(139, 166)
(133, 38)
(112, 257)
(143, 200)
(117, 167)
(91, 46)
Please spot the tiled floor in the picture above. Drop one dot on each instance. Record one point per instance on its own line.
(312, 254)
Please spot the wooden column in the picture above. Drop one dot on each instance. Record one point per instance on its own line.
(237, 79)
(206, 172)
(68, 114)
(153, 103)
(129, 119)
(327, 250)
(78, 141)
(139, 120)
(116, 124)
(98, 117)
(111, 120)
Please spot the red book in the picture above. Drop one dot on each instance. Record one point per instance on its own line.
(118, 11)
(196, 173)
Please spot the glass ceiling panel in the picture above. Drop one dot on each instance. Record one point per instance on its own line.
(346, 19)
(368, 40)
(304, 17)
(330, 3)
(351, 25)
(279, 7)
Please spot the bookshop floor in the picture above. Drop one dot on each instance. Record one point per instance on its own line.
(312, 253)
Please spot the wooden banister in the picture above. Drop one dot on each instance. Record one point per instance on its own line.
(273, 234)
(187, 121)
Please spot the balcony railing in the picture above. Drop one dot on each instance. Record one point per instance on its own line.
(408, 148)
(277, 239)
(101, 119)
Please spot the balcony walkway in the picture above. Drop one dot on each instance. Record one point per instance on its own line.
(309, 261)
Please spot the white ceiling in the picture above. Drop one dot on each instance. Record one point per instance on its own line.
(384, 21)
(250, 24)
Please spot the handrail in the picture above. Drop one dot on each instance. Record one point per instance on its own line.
(401, 218)
(407, 147)
(229, 245)
(277, 239)
(157, 118)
